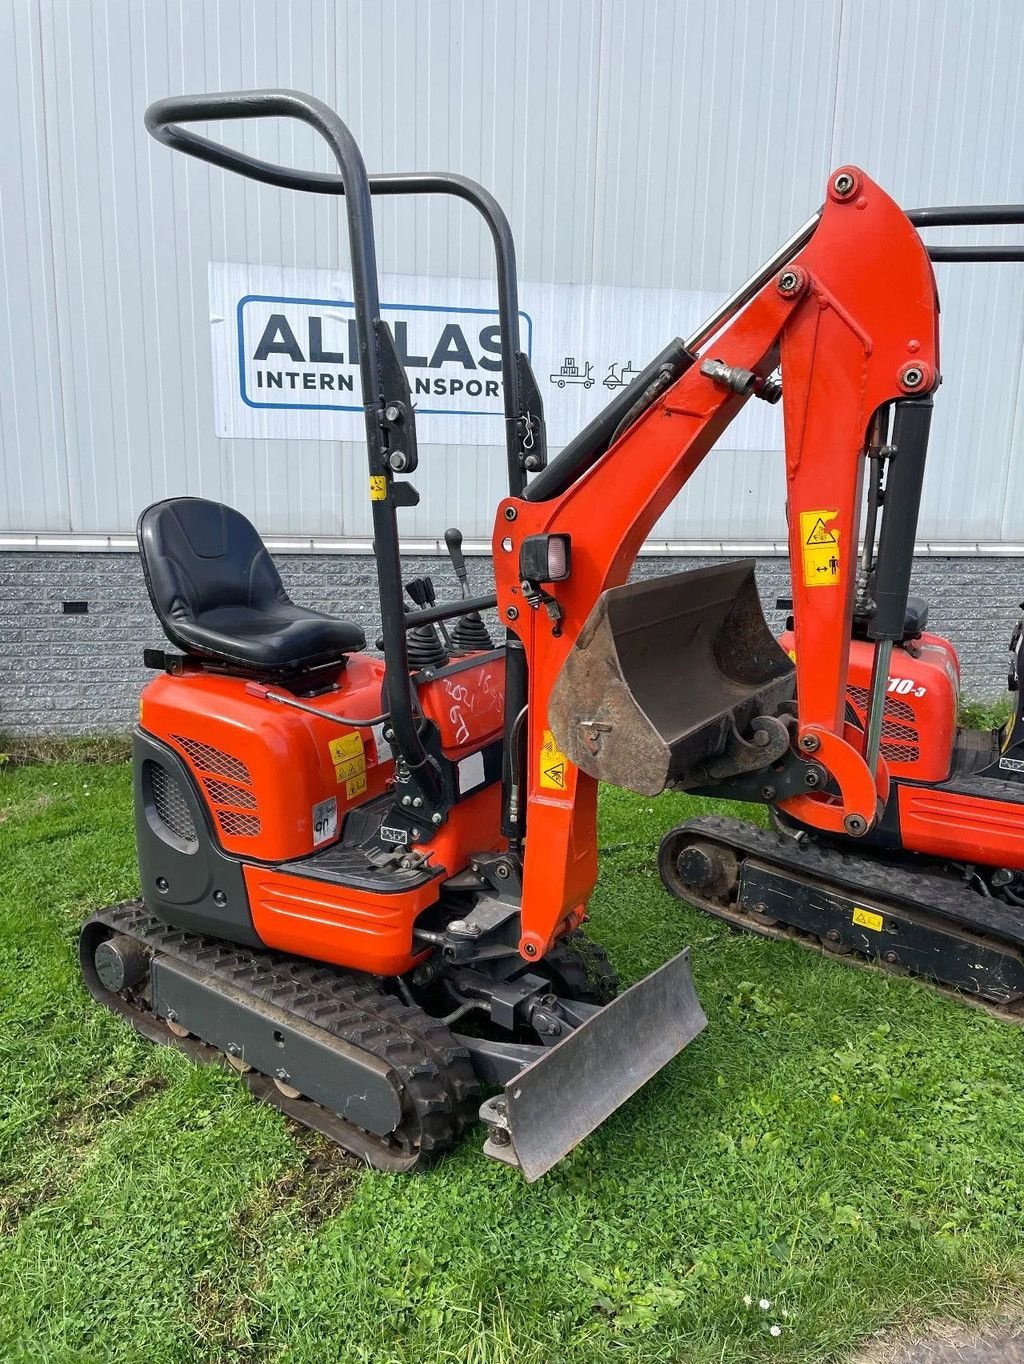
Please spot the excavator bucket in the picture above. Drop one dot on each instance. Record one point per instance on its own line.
(550, 1106)
(675, 681)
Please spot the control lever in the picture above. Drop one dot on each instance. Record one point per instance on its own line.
(422, 592)
(470, 633)
(453, 539)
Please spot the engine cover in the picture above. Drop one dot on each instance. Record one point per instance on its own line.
(922, 695)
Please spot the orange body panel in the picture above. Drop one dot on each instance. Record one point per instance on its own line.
(353, 928)
(262, 767)
(364, 931)
(919, 724)
(967, 828)
(467, 706)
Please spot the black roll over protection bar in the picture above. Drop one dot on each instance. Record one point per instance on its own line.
(388, 408)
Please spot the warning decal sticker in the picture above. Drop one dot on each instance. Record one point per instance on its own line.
(867, 918)
(554, 764)
(349, 758)
(819, 547)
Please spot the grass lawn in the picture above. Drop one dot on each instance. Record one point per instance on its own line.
(845, 1145)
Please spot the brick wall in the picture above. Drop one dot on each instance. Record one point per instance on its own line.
(81, 674)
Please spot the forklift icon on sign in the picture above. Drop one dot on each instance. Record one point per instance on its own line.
(570, 373)
(625, 376)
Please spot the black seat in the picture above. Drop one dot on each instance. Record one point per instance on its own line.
(914, 622)
(916, 618)
(218, 595)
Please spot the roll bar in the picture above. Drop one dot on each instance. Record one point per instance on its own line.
(162, 119)
(971, 215)
(524, 411)
(384, 385)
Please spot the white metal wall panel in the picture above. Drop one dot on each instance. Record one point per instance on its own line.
(655, 143)
(33, 452)
(929, 99)
(506, 93)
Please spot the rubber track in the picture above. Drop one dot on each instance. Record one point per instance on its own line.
(435, 1079)
(858, 874)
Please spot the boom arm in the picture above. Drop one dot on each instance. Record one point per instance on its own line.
(853, 320)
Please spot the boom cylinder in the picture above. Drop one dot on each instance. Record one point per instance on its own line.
(899, 518)
(895, 560)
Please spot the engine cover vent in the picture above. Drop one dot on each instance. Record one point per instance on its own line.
(900, 739)
(237, 825)
(226, 793)
(170, 806)
(205, 758)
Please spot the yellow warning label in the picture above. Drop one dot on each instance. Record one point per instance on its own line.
(554, 765)
(378, 487)
(355, 786)
(349, 758)
(867, 918)
(819, 544)
(348, 746)
(351, 767)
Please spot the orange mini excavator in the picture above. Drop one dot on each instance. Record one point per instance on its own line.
(364, 878)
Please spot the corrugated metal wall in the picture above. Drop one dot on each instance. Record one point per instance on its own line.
(646, 142)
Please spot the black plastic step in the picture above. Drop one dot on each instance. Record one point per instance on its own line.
(342, 864)
(981, 788)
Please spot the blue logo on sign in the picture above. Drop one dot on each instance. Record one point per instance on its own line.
(465, 343)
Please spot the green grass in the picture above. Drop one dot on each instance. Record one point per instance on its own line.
(844, 1144)
(986, 714)
(19, 749)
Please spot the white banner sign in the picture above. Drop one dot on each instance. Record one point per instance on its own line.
(285, 354)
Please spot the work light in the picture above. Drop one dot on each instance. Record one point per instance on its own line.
(545, 558)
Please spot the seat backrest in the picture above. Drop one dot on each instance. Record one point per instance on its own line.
(198, 555)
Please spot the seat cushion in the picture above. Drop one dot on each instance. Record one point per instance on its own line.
(914, 622)
(277, 640)
(217, 592)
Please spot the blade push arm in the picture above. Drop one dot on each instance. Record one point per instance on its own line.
(853, 321)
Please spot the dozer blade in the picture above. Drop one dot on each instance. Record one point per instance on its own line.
(551, 1105)
(667, 677)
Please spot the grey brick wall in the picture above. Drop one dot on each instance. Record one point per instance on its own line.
(81, 674)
